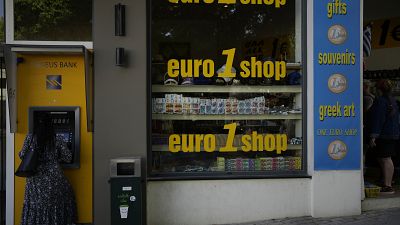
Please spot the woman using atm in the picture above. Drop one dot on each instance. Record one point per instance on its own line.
(49, 198)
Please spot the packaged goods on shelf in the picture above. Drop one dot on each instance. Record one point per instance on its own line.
(202, 106)
(260, 164)
(195, 106)
(245, 164)
(252, 165)
(158, 105)
(230, 165)
(169, 103)
(186, 106)
(257, 164)
(220, 163)
(297, 163)
(296, 141)
(239, 164)
(178, 104)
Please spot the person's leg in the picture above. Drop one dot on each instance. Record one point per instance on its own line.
(387, 170)
(381, 181)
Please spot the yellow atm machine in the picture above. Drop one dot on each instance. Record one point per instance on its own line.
(56, 80)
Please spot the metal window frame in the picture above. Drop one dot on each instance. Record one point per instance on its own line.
(304, 173)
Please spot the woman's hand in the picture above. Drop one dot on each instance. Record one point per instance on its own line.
(372, 142)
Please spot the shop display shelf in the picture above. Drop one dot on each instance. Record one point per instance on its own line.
(227, 117)
(293, 66)
(226, 89)
(164, 148)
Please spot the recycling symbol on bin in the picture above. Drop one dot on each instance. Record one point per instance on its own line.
(132, 198)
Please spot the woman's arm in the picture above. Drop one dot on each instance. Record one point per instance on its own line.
(64, 153)
(27, 144)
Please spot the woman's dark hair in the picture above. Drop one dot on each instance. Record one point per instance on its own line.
(43, 130)
(385, 86)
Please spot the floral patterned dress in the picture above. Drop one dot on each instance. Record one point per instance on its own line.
(49, 198)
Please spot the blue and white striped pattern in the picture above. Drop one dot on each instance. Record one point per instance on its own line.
(367, 41)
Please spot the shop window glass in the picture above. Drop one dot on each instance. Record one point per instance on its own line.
(206, 125)
(57, 20)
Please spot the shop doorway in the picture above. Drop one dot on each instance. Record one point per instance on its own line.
(381, 53)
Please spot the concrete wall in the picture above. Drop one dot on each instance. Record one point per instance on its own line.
(226, 201)
(120, 95)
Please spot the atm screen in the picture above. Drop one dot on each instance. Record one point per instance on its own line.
(64, 135)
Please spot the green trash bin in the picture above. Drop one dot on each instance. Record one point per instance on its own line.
(126, 191)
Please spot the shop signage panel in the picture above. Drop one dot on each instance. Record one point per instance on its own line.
(337, 79)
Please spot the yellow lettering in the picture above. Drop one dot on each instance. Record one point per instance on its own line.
(173, 68)
(353, 59)
(197, 64)
(257, 140)
(321, 113)
(269, 140)
(256, 67)
(231, 136)
(268, 69)
(281, 143)
(280, 70)
(245, 70)
(186, 68)
(174, 139)
(246, 143)
(226, 1)
(187, 142)
(199, 139)
(320, 58)
(330, 8)
(349, 110)
(230, 53)
(279, 3)
(209, 143)
(268, 2)
(208, 68)
(329, 111)
(344, 9)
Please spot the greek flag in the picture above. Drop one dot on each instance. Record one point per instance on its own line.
(367, 41)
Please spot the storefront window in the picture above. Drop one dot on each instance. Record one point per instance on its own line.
(226, 88)
(58, 20)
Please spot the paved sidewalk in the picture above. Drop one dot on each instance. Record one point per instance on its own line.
(378, 217)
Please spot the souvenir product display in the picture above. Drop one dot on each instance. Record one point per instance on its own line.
(173, 104)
